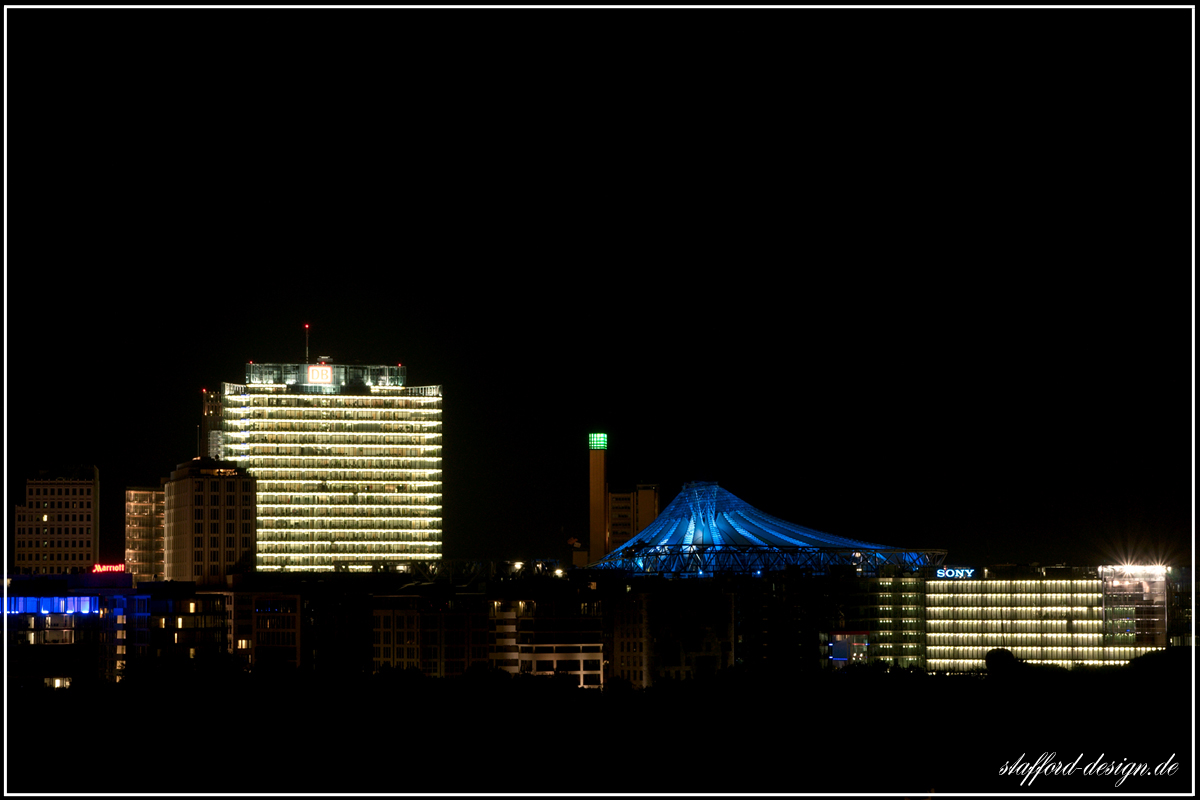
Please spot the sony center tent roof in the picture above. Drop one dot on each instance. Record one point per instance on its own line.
(706, 530)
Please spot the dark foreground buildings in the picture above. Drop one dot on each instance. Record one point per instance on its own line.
(62, 630)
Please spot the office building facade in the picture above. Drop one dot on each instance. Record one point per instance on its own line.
(209, 521)
(145, 533)
(1110, 617)
(348, 461)
(1135, 605)
(549, 633)
(442, 637)
(629, 513)
(57, 527)
(263, 629)
(880, 619)
(1180, 586)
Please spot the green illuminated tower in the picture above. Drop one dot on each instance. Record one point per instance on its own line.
(597, 496)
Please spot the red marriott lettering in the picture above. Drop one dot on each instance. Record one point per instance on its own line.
(108, 568)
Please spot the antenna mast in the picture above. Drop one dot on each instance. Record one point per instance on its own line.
(306, 343)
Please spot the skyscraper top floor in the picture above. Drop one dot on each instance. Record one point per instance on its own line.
(326, 378)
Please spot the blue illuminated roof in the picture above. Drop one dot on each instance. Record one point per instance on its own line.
(707, 530)
(704, 513)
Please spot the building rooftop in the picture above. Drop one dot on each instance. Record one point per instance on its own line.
(325, 376)
(706, 530)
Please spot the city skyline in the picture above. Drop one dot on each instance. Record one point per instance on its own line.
(986, 349)
(1040, 484)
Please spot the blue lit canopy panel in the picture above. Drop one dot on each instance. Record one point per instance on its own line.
(15, 604)
(706, 530)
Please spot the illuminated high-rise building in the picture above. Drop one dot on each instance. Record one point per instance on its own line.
(144, 532)
(1110, 617)
(348, 461)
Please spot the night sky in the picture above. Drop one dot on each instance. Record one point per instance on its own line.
(935, 293)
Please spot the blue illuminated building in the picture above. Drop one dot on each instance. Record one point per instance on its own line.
(707, 531)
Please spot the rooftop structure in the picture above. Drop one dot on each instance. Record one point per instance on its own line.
(706, 530)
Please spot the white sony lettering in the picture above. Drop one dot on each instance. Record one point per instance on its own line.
(955, 573)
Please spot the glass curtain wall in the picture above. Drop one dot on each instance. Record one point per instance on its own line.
(1041, 621)
(345, 481)
(144, 533)
(1135, 605)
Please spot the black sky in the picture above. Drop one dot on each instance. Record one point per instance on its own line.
(927, 290)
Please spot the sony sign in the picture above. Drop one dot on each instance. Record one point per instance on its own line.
(955, 573)
(320, 374)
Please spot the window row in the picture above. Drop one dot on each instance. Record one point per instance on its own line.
(230, 499)
(54, 557)
(33, 517)
(33, 543)
(215, 527)
(214, 541)
(198, 555)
